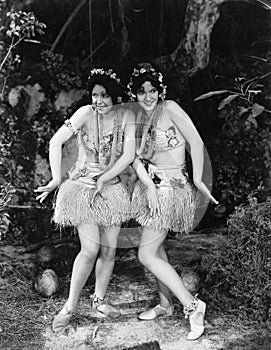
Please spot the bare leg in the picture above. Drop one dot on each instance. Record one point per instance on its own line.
(151, 241)
(106, 260)
(84, 262)
(164, 292)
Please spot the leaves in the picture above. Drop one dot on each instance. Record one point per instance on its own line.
(264, 3)
(257, 110)
(210, 94)
(227, 100)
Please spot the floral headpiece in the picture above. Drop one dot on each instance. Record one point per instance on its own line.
(140, 71)
(109, 73)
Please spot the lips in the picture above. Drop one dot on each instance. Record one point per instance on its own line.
(148, 103)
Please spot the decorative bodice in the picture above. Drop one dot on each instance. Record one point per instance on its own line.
(97, 149)
(153, 138)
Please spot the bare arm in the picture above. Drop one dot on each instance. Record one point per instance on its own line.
(152, 194)
(128, 151)
(63, 134)
(182, 121)
(142, 172)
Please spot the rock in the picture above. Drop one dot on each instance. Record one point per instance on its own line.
(47, 283)
(45, 255)
(191, 280)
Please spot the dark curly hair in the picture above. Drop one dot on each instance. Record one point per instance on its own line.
(150, 73)
(113, 89)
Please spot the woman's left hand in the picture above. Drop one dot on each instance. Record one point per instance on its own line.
(99, 186)
(204, 189)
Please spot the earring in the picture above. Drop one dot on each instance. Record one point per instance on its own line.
(119, 99)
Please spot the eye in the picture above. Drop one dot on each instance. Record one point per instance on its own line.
(105, 95)
(94, 95)
(153, 91)
(141, 92)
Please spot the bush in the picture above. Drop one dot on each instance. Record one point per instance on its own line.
(241, 163)
(239, 271)
(5, 197)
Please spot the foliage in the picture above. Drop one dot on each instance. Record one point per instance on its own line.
(239, 277)
(241, 162)
(246, 91)
(59, 74)
(20, 26)
(5, 198)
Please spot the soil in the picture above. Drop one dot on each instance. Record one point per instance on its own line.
(132, 290)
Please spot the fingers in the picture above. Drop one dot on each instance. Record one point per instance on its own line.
(95, 194)
(42, 197)
(154, 206)
(45, 189)
(214, 200)
(93, 197)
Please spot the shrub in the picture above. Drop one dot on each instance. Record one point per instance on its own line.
(5, 197)
(241, 163)
(239, 271)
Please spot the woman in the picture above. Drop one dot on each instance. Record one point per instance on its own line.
(164, 198)
(93, 199)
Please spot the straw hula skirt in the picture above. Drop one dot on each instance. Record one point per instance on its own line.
(73, 203)
(177, 200)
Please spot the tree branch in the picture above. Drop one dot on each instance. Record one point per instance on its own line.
(67, 23)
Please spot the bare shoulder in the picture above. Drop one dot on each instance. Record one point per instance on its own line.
(80, 117)
(174, 108)
(176, 113)
(128, 114)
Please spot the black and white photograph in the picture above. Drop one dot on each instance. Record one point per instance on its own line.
(135, 174)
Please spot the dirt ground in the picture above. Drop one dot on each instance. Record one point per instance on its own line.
(132, 290)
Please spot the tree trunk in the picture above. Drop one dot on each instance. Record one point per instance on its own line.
(192, 53)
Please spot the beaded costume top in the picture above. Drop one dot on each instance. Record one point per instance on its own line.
(97, 149)
(152, 138)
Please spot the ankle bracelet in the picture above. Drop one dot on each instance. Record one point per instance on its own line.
(95, 299)
(190, 308)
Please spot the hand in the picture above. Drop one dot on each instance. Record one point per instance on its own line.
(99, 186)
(153, 200)
(51, 186)
(203, 188)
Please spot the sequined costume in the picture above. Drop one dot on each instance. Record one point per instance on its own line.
(97, 152)
(176, 194)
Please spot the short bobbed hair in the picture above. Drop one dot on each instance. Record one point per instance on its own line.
(113, 89)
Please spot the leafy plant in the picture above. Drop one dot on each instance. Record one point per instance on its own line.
(5, 197)
(246, 91)
(241, 163)
(239, 277)
(21, 26)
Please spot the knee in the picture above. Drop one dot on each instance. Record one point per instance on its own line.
(145, 257)
(108, 253)
(89, 253)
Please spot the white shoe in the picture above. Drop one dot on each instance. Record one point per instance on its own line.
(196, 320)
(156, 311)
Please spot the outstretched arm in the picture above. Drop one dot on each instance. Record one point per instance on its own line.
(63, 134)
(190, 133)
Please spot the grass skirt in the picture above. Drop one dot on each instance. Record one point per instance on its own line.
(177, 200)
(73, 203)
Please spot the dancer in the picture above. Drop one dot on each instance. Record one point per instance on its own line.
(93, 199)
(164, 198)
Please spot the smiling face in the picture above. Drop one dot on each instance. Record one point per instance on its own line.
(147, 96)
(101, 100)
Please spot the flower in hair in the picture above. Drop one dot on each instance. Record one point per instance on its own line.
(109, 73)
(147, 69)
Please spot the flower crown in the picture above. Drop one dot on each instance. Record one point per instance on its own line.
(140, 71)
(109, 73)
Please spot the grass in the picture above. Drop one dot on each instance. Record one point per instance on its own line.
(25, 317)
